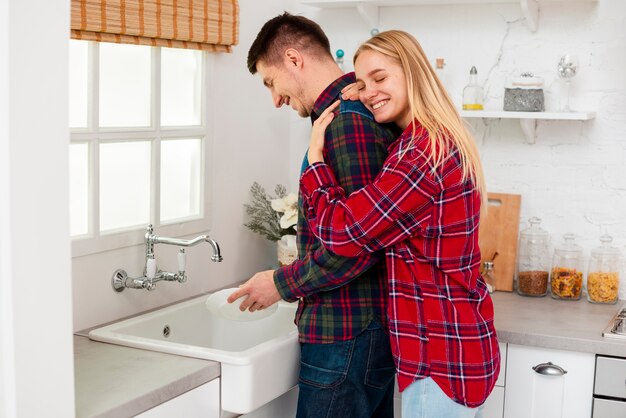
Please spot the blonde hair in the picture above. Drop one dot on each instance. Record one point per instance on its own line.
(430, 105)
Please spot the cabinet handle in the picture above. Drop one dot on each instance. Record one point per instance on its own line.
(549, 369)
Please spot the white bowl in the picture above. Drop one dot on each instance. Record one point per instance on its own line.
(218, 305)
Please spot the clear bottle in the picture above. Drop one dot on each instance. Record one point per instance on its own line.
(603, 273)
(473, 93)
(488, 275)
(533, 262)
(566, 277)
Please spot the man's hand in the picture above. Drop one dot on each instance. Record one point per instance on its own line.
(261, 291)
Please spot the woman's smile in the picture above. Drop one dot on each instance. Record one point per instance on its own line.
(380, 104)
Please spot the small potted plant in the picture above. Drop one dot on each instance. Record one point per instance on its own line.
(275, 218)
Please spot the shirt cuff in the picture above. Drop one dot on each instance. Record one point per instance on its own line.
(280, 281)
(316, 176)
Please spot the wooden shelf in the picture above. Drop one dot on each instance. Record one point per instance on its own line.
(528, 120)
(369, 9)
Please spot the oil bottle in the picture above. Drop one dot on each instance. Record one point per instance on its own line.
(473, 93)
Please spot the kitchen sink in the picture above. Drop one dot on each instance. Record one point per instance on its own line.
(259, 358)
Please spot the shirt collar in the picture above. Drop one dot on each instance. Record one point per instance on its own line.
(331, 94)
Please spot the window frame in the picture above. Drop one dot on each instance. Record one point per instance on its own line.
(96, 241)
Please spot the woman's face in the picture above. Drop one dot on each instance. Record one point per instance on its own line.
(382, 88)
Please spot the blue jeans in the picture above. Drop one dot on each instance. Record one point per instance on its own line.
(425, 399)
(348, 379)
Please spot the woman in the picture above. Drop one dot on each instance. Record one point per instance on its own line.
(424, 209)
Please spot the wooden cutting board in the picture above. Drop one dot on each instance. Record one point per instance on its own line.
(499, 232)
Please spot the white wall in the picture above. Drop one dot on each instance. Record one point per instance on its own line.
(36, 362)
(250, 142)
(574, 177)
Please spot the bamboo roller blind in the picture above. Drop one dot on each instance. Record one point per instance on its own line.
(210, 25)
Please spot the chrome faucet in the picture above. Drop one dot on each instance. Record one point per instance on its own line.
(151, 275)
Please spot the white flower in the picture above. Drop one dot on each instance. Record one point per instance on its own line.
(289, 218)
(288, 202)
(288, 206)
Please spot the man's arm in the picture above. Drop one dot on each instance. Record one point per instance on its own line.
(355, 149)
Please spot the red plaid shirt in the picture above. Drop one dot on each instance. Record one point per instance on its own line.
(440, 312)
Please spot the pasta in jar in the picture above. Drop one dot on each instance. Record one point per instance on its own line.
(566, 283)
(566, 277)
(602, 287)
(603, 276)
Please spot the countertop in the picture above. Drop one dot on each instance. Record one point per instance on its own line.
(115, 381)
(559, 324)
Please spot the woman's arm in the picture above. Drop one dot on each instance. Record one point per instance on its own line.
(393, 208)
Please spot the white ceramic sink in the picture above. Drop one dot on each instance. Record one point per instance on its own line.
(259, 359)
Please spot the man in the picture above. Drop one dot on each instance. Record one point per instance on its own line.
(346, 366)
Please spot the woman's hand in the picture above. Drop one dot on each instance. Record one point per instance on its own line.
(317, 133)
(350, 92)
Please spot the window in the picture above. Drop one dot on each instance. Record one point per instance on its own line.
(138, 141)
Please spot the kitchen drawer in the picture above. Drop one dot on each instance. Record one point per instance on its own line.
(606, 408)
(530, 392)
(610, 377)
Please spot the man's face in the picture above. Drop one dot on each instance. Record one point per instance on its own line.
(282, 81)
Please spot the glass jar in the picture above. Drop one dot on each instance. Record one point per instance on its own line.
(603, 273)
(533, 262)
(566, 277)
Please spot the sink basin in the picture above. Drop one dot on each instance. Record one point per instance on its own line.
(259, 359)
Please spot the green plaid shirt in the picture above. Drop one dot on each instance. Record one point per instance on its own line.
(333, 305)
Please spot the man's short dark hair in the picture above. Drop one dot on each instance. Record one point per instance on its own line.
(283, 32)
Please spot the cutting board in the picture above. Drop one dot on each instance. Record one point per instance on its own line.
(498, 233)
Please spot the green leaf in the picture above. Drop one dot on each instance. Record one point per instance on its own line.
(263, 219)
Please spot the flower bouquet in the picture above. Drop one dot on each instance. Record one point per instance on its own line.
(275, 218)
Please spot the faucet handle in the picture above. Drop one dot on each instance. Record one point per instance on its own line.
(181, 260)
(151, 267)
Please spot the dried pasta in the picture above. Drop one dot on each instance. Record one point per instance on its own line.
(603, 287)
(566, 283)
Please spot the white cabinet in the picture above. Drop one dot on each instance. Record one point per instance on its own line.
(543, 383)
(285, 406)
(494, 405)
(203, 401)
